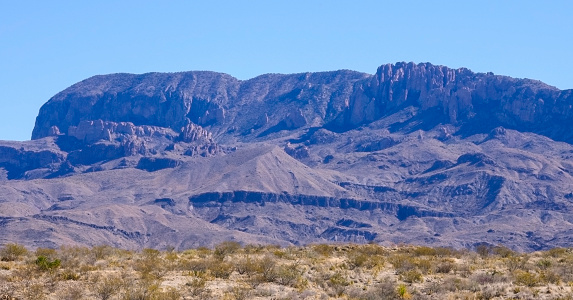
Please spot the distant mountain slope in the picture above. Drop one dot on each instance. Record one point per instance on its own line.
(415, 153)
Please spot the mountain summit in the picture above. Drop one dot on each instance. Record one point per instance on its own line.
(415, 153)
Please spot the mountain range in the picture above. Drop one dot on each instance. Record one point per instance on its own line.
(416, 154)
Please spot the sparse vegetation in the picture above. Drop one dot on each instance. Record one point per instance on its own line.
(232, 271)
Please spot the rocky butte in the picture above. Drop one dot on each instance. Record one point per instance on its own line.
(416, 153)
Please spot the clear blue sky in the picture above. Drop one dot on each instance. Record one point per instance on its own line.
(46, 46)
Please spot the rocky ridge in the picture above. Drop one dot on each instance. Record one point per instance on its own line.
(414, 153)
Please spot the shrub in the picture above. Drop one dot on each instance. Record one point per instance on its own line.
(266, 267)
(196, 266)
(109, 286)
(149, 265)
(220, 269)
(490, 292)
(240, 292)
(101, 252)
(557, 252)
(444, 267)
(526, 278)
(144, 289)
(74, 257)
(196, 286)
(279, 253)
(515, 263)
(73, 292)
(384, 290)
(445, 251)
(338, 283)
(543, 264)
(565, 271)
(245, 265)
(202, 252)
(35, 291)
(288, 275)
(46, 264)
(323, 249)
(425, 251)
(150, 254)
(12, 252)
(450, 284)
(47, 252)
(549, 277)
(463, 269)
(69, 275)
(412, 276)
(362, 260)
(372, 249)
(253, 249)
(502, 251)
(423, 265)
(483, 250)
(488, 277)
(168, 294)
(401, 261)
(402, 292)
(225, 248)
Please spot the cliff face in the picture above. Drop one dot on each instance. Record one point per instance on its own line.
(205, 98)
(462, 98)
(340, 100)
(415, 153)
(157, 99)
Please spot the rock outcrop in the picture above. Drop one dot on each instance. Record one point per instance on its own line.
(17, 161)
(91, 131)
(340, 100)
(462, 98)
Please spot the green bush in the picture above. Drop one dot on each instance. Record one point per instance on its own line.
(402, 292)
(46, 264)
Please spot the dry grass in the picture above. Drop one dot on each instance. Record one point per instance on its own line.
(232, 271)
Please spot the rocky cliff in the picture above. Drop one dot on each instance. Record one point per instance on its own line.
(340, 100)
(415, 153)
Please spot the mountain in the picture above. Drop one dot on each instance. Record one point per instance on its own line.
(415, 153)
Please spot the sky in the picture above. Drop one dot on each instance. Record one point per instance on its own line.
(46, 46)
